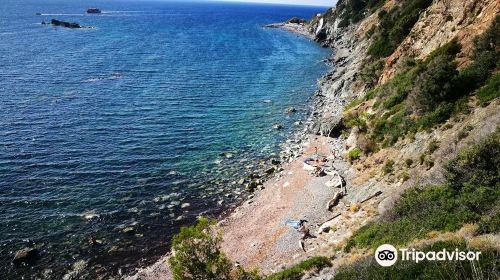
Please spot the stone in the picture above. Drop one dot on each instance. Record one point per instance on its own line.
(185, 205)
(290, 110)
(251, 186)
(275, 162)
(25, 256)
(278, 126)
(328, 126)
(128, 230)
(270, 170)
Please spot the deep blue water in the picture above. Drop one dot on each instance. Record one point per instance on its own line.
(162, 103)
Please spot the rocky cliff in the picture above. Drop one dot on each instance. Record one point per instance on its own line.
(357, 102)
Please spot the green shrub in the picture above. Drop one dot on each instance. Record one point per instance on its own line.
(388, 167)
(489, 223)
(486, 58)
(296, 272)
(408, 162)
(354, 154)
(371, 72)
(487, 267)
(477, 166)
(490, 91)
(434, 84)
(197, 254)
(451, 48)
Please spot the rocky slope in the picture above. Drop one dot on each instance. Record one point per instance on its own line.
(437, 25)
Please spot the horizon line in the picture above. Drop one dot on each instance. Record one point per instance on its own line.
(270, 3)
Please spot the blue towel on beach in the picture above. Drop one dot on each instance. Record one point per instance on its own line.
(293, 223)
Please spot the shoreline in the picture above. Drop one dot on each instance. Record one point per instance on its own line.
(300, 144)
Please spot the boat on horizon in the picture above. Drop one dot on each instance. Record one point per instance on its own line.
(93, 11)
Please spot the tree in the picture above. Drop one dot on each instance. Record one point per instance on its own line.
(197, 254)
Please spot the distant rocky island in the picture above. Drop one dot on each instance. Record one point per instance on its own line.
(72, 25)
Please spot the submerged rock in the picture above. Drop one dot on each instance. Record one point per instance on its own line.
(278, 126)
(25, 256)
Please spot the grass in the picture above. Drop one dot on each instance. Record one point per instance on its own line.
(296, 272)
(471, 194)
(487, 267)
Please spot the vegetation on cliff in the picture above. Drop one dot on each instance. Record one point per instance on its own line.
(395, 25)
(427, 93)
(471, 195)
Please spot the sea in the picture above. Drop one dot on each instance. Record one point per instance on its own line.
(114, 136)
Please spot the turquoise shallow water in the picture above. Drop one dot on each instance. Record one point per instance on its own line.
(161, 104)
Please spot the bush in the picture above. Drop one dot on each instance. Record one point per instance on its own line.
(490, 91)
(477, 166)
(434, 84)
(371, 72)
(197, 254)
(388, 167)
(354, 154)
(486, 59)
(296, 272)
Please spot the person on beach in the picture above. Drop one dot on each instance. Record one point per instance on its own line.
(304, 230)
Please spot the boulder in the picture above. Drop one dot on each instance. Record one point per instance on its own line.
(270, 170)
(25, 256)
(329, 126)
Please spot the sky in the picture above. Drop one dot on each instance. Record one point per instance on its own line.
(324, 3)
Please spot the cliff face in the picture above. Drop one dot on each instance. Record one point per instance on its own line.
(437, 25)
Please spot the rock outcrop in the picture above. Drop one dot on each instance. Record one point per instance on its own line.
(25, 256)
(66, 24)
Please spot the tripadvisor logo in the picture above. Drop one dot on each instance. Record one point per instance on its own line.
(387, 255)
